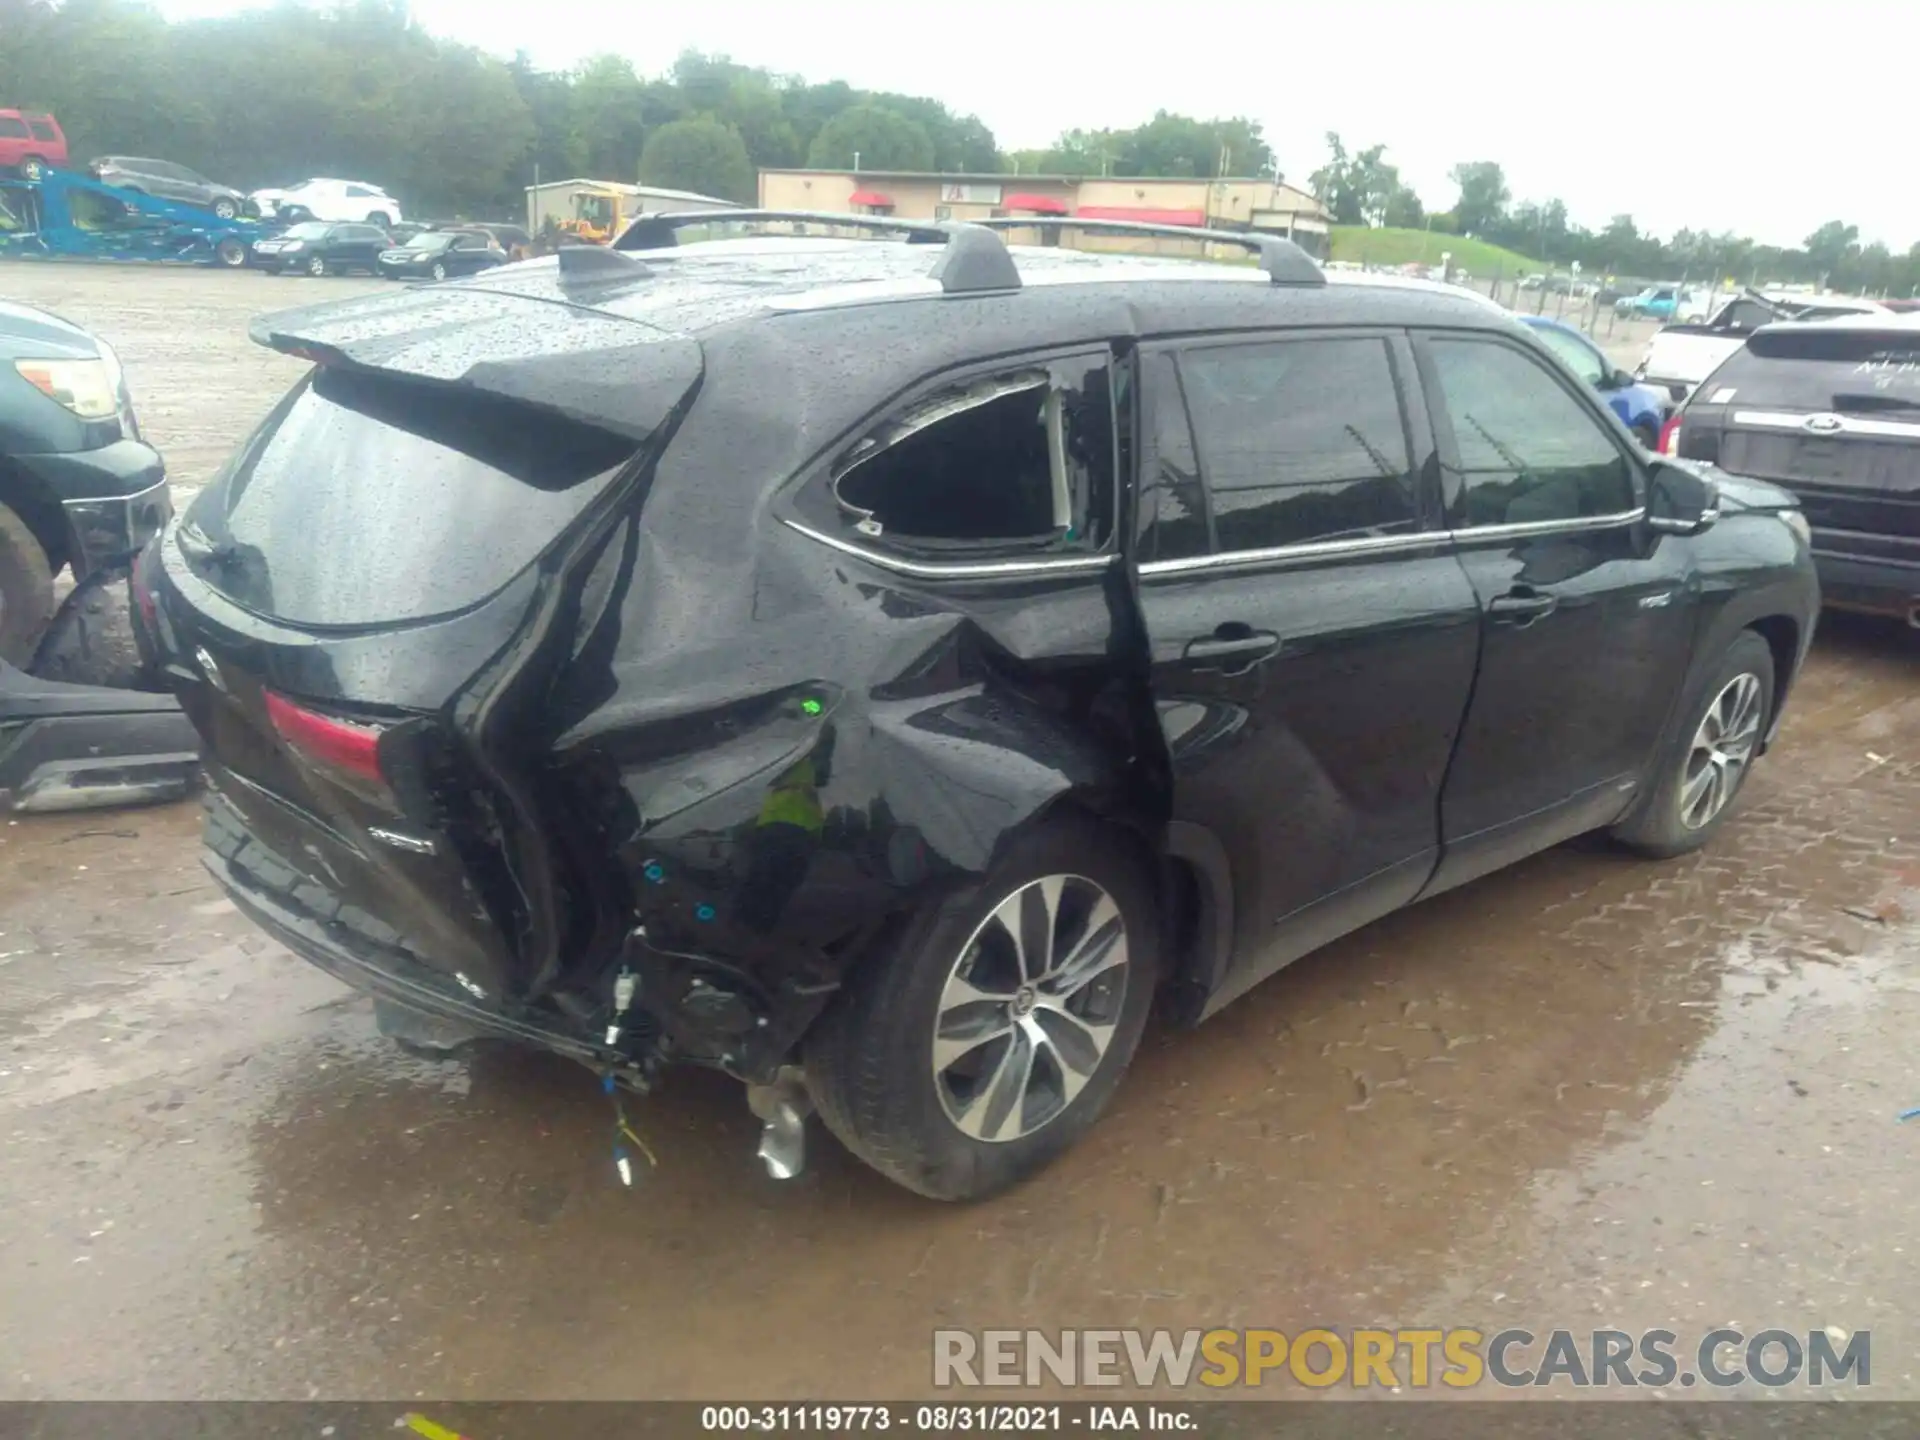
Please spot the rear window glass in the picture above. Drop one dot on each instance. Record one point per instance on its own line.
(1826, 367)
(367, 500)
(43, 131)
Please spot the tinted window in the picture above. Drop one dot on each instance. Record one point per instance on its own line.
(359, 233)
(365, 500)
(1172, 518)
(1300, 441)
(359, 192)
(44, 131)
(1528, 451)
(1582, 358)
(12, 129)
(469, 242)
(1843, 369)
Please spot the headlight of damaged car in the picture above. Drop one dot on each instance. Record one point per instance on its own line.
(89, 388)
(1797, 523)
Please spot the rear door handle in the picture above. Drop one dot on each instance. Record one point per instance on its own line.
(1233, 649)
(1522, 606)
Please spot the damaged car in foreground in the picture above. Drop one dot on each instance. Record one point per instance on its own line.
(879, 668)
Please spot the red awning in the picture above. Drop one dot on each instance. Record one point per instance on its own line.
(870, 197)
(1039, 204)
(1194, 218)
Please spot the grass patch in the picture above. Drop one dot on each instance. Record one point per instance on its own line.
(1364, 246)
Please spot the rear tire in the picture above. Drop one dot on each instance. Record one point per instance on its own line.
(33, 169)
(26, 589)
(91, 640)
(1048, 1050)
(230, 253)
(1706, 761)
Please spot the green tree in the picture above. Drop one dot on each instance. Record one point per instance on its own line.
(873, 138)
(1483, 196)
(1832, 245)
(702, 154)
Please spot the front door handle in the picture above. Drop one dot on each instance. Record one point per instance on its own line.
(1522, 605)
(1233, 649)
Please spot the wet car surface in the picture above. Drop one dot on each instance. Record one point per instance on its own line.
(1589, 1090)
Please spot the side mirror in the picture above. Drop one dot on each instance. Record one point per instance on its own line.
(1680, 500)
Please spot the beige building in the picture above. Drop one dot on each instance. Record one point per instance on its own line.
(555, 199)
(1226, 204)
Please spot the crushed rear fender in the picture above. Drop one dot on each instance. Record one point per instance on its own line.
(800, 755)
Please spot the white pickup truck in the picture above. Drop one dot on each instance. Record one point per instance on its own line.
(1679, 357)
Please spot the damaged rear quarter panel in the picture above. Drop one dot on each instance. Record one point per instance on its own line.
(802, 742)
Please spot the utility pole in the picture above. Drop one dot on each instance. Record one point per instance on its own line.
(856, 162)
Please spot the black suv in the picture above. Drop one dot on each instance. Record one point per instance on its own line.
(1831, 409)
(879, 669)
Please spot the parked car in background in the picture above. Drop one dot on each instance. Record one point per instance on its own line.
(168, 181)
(1656, 302)
(513, 239)
(1641, 408)
(1830, 409)
(1680, 356)
(561, 678)
(31, 143)
(324, 199)
(440, 254)
(317, 248)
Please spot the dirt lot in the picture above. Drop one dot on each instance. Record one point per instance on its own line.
(1588, 1091)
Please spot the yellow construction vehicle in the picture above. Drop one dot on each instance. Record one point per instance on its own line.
(598, 216)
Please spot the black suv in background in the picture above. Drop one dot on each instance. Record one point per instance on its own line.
(167, 181)
(1831, 410)
(878, 670)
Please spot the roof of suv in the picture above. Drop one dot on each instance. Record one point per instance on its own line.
(693, 289)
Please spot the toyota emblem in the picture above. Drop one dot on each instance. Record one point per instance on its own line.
(1824, 424)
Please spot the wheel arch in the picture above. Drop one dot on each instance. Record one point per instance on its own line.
(36, 504)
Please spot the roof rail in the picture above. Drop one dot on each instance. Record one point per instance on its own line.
(659, 232)
(1285, 262)
(974, 261)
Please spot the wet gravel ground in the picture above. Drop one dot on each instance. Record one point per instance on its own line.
(1588, 1091)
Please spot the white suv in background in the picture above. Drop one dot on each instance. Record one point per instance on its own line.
(339, 200)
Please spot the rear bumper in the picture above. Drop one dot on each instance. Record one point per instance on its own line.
(354, 948)
(74, 747)
(1877, 583)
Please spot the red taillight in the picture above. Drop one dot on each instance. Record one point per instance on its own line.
(339, 743)
(1670, 435)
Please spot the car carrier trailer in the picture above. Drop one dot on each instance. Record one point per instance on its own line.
(67, 216)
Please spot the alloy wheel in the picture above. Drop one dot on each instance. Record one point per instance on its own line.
(1030, 1008)
(1722, 749)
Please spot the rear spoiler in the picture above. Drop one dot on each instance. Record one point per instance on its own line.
(615, 374)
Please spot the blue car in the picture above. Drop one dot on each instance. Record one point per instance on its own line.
(1641, 408)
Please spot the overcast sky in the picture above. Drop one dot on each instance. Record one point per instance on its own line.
(1610, 106)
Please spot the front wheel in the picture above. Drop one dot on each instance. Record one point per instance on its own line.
(439, 270)
(230, 253)
(1706, 762)
(33, 169)
(994, 1031)
(225, 208)
(317, 265)
(26, 589)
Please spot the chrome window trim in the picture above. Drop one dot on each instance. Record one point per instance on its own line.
(1392, 544)
(957, 569)
(1526, 529)
(1848, 424)
(1307, 550)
